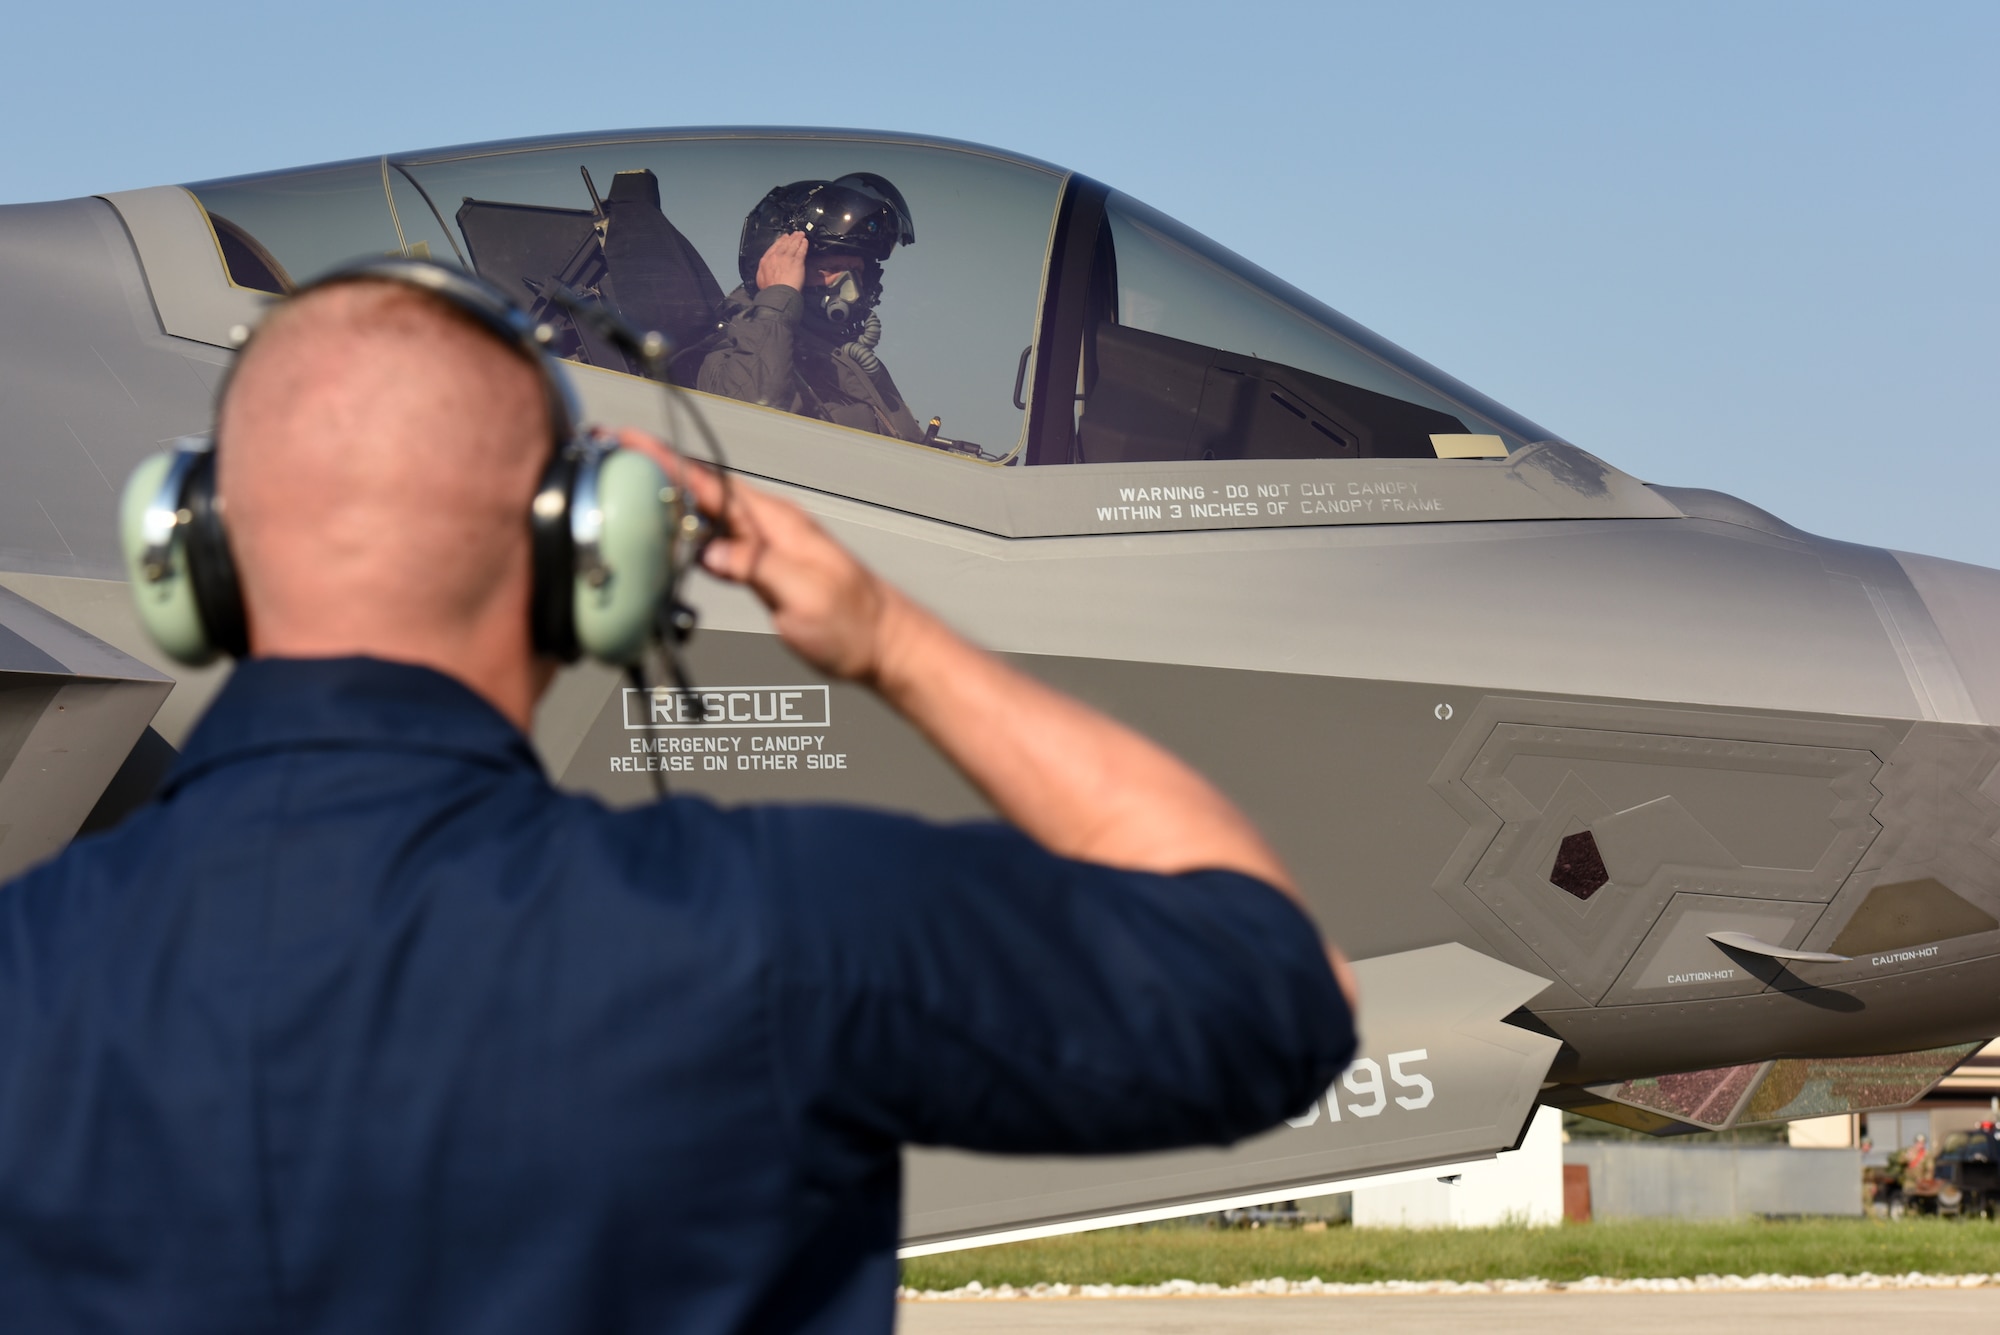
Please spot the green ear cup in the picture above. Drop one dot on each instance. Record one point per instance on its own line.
(622, 513)
(621, 575)
(156, 563)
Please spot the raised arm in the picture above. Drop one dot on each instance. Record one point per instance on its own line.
(1075, 781)
(754, 361)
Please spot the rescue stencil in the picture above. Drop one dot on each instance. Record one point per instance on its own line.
(729, 707)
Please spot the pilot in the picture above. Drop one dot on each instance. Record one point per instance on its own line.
(801, 332)
(364, 1025)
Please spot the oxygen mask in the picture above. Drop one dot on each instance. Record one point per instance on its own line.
(840, 300)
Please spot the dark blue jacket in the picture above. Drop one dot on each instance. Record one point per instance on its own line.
(364, 1027)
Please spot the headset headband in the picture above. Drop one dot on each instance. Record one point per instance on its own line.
(602, 524)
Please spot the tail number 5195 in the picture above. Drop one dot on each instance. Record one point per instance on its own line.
(1368, 1095)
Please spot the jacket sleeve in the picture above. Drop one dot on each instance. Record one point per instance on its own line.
(960, 985)
(754, 360)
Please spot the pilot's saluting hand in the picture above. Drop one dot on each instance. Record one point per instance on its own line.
(784, 264)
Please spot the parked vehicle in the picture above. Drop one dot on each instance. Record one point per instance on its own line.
(1968, 1173)
(1961, 1180)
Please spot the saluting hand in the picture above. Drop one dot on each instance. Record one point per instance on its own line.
(784, 264)
(829, 608)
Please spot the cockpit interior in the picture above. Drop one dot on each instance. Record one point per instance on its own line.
(1043, 319)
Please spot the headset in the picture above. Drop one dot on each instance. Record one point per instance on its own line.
(611, 536)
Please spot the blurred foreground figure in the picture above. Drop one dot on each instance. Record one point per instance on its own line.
(363, 1026)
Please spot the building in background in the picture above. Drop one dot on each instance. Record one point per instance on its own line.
(1523, 1186)
(1634, 1179)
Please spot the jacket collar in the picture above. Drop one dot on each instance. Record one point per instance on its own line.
(281, 704)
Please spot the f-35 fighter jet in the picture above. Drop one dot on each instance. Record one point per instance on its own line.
(1629, 799)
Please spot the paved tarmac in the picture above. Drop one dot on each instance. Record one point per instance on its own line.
(1809, 1313)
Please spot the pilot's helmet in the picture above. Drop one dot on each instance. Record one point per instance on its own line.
(859, 217)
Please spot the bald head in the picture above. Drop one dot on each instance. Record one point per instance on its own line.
(377, 452)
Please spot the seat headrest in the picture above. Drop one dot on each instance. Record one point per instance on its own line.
(635, 187)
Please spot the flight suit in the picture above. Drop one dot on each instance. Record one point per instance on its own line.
(771, 354)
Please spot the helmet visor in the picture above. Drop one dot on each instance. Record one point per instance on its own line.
(839, 219)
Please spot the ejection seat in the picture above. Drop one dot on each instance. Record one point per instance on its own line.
(658, 279)
(622, 251)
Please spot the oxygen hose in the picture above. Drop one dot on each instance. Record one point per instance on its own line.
(862, 349)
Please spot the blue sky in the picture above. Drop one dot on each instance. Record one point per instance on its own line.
(1747, 246)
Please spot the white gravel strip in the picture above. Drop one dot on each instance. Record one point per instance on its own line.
(1286, 1288)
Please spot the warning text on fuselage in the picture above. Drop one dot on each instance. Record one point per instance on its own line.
(729, 707)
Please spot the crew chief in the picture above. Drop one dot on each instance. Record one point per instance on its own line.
(363, 1026)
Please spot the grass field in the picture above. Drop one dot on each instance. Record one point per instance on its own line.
(1624, 1249)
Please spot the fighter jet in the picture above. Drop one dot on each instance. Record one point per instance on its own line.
(1628, 799)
